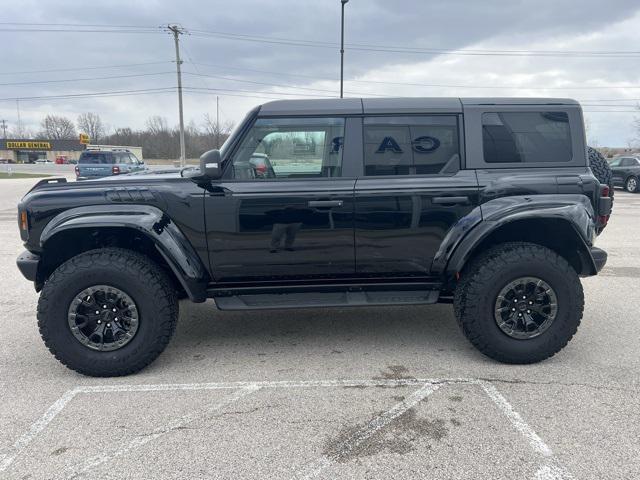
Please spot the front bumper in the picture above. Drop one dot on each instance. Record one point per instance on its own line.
(599, 257)
(28, 265)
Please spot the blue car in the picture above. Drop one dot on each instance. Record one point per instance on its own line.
(105, 163)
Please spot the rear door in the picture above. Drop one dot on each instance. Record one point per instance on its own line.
(616, 171)
(284, 209)
(412, 192)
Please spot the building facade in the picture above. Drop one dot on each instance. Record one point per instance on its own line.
(31, 150)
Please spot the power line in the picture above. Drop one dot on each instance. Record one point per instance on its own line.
(92, 94)
(106, 28)
(83, 68)
(324, 90)
(413, 84)
(78, 30)
(414, 50)
(65, 80)
(77, 25)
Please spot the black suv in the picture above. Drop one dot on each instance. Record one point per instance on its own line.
(625, 172)
(488, 204)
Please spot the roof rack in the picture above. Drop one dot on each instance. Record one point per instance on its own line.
(93, 148)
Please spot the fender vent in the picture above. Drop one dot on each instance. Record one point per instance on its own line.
(129, 195)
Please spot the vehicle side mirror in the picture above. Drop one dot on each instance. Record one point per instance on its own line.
(210, 164)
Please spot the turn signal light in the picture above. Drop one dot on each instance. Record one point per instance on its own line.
(115, 170)
(77, 171)
(604, 190)
(24, 223)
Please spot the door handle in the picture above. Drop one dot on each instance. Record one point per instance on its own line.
(450, 200)
(325, 203)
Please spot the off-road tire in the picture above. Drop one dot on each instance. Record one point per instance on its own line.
(486, 275)
(628, 188)
(600, 168)
(138, 276)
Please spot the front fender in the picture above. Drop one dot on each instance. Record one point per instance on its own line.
(575, 210)
(151, 222)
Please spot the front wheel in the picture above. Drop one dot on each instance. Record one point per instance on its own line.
(107, 312)
(631, 185)
(519, 302)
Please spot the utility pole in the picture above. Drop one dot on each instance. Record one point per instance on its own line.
(3, 122)
(19, 132)
(176, 30)
(342, 49)
(217, 121)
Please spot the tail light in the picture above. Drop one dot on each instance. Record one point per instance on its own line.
(604, 206)
(115, 170)
(77, 171)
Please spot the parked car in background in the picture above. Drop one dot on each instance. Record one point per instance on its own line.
(626, 173)
(104, 163)
(62, 160)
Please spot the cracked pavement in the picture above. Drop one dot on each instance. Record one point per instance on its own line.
(583, 403)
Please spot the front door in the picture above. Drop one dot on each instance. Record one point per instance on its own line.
(411, 194)
(284, 209)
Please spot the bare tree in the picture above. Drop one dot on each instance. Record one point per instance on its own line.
(57, 127)
(91, 124)
(219, 131)
(157, 125)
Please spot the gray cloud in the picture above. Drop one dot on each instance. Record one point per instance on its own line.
(494, 24)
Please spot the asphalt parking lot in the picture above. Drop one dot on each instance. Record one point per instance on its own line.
(332, 393)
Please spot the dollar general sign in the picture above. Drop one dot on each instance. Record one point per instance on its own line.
(29, 145)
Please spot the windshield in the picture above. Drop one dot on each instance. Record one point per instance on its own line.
(96, 157)
(236, 131)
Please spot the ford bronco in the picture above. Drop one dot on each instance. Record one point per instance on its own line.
(485, 203)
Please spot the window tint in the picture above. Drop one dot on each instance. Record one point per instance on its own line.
(526, 137)
(629, 162)
(96, 157)
(122, 157)
(411, 145)
(291, 148)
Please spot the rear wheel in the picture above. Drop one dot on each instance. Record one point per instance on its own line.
(631, 185)
(107, 312)
(519, 302)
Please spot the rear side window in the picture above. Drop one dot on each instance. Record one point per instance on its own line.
(411, 145)
(526, 137)
(96, 157)
(122, 157)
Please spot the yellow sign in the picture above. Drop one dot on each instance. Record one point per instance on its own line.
(29, 145)
(84, 138)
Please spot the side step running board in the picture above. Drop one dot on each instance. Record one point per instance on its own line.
(307, 299)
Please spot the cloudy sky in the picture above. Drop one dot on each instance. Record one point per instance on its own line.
(247, 51)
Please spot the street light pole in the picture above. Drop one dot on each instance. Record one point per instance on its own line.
(342, 50)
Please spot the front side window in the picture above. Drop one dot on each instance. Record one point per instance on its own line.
(615, 162)
(526, 137)
(281, 148)
(412, 145)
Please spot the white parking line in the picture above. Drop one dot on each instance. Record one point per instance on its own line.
(381, 421)
(139, 441)
(7, 457)
(516, 420)
(548, 470)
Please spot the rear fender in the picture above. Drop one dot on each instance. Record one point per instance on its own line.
(573, 211)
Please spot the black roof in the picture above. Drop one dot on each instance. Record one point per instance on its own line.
(355, 106)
